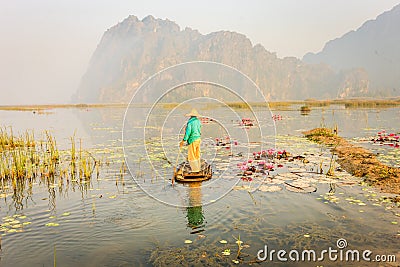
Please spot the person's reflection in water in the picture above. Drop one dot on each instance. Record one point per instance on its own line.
(194, 211)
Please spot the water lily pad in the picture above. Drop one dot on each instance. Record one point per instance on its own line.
(273, 188)
(223, 241)
(241, 187)
(226, 252)
(52, 224)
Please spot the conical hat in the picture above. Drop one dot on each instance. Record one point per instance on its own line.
(193, 113)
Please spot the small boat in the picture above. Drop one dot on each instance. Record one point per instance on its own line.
(184, 174)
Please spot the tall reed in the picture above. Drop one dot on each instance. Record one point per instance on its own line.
(22, 157)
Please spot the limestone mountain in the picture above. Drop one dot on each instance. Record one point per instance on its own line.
(374, 47)
(134, 49)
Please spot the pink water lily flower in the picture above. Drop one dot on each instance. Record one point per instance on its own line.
(269, 166)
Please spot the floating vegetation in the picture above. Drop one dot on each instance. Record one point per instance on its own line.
(52, 224)
(277, 117)
(305, 110)
(272, 188)
(273, 168)
(246, 122)
(14, 224)
(359, 162)
(388, 139)
(225, 142)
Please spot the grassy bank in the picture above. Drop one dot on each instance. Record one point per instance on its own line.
(359, 162)
(348, 103)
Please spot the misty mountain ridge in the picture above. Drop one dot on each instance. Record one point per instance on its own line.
(375, 47)
(134, 49)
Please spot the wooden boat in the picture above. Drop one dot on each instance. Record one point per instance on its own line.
(184, 174)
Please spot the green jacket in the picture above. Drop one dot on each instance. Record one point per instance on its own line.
(193, 130)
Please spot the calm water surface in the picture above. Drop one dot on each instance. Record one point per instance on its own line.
(111, 221)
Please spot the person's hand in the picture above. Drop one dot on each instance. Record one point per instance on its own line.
(181, 144)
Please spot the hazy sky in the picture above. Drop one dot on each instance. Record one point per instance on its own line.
(46, 45)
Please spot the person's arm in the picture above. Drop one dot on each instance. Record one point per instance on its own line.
(188, 132)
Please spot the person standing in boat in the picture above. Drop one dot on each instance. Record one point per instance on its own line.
(193, 139)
